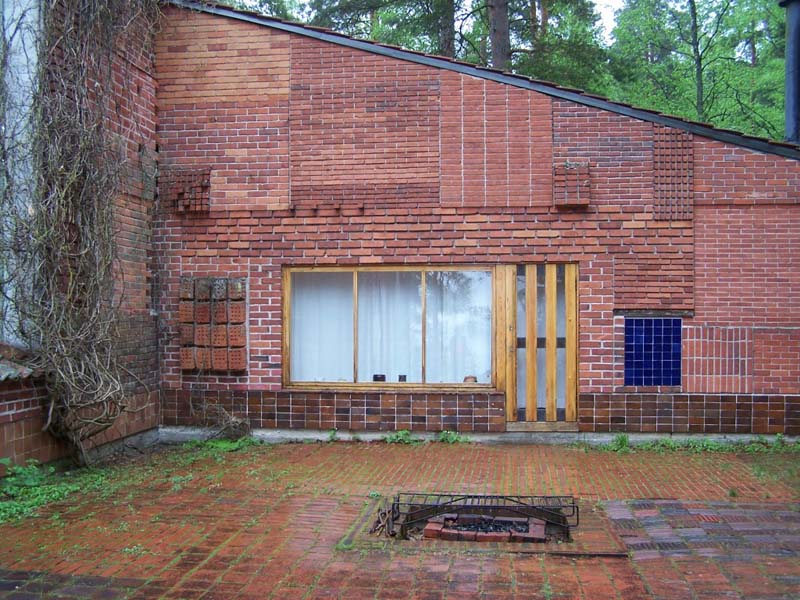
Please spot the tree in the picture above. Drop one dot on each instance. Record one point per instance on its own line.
(500, 35)
(423, 25)
(710, 60)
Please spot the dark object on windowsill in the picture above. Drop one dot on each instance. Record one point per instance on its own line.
(377, 377)
(470, 379)
(401, 378)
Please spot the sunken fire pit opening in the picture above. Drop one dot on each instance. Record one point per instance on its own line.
(479, 517)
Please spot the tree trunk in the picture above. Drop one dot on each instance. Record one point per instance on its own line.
(697, 56)
(539, 20)
(499, 34)
(447, 27)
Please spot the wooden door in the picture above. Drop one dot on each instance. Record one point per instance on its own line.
(538, 340)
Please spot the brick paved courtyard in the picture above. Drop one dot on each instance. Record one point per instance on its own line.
(291, 521)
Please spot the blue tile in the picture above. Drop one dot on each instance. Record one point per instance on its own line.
(652, 351)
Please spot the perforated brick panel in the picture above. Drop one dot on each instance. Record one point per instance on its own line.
(672, 174)
(572, 185)
(213, 331)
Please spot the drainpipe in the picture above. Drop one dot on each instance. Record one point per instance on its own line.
(792, 99)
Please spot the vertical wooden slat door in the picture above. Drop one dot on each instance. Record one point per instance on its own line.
(505, 335)
(531, 370)
(550, 343)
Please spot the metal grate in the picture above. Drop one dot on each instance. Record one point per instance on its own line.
(411, 509)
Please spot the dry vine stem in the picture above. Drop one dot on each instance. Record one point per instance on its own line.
(61, 282)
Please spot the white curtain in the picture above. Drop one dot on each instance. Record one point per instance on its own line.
(321, 327)
(390, 326)
(458, 327)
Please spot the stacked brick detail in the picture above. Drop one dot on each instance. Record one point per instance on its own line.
(213, 330)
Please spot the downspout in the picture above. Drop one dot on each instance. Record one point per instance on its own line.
(792, 100)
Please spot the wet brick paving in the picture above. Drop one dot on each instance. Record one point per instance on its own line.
(275, 522)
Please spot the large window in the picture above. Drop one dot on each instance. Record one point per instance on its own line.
(413, 326)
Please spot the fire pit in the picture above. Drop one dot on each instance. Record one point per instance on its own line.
(479, 517)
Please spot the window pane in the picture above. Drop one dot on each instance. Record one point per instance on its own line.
(321, 327)
(458, 344)
(390, 326)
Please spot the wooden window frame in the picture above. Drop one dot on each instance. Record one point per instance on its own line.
(287, 383)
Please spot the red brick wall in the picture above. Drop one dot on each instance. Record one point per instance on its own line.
(362, 159)
(22, 415)
(134, 120)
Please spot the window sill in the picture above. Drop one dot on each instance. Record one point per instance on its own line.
(648, 389)
(397, 388)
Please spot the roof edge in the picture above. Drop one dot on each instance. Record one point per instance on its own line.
(783, 149)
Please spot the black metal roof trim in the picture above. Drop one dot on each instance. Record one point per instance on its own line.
(783, 149)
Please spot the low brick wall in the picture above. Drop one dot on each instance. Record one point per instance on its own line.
(690, 413)
(23, 413)
(22, 416)
(387, 411)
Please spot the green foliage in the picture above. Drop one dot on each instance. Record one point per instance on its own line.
(403, 436)
(332, 435)
(760, 445)
(730, 74)
(221, 445)
(26, 488)
(452, 437)
(135, 550)
(620, 444)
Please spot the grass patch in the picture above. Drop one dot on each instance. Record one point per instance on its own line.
(452, 437)
(761, 445)
(402, 436)
(28, 487)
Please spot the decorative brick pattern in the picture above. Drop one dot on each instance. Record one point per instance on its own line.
(776, 361)
(647, 281)
(746, 268)
(673, 171)
(206, 333)
(690, 413)
(572, 185)
(187, 191)
(386, 411)
(376, 143)
(718, 359)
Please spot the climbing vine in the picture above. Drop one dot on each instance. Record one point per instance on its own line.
(66, 149)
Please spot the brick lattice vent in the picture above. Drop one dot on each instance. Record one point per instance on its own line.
(572, 185)
(188, 191)
(673, 164)
(213, 329)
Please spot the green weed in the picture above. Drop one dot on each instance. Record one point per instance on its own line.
(620, 444)
(221, 445)
(452, 437)
(136, 550)
(402, 436)
(28, 487)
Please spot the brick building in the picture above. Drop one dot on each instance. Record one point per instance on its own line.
(419, 243)
(352, 235)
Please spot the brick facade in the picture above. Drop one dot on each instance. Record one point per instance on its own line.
(321, 154)
(22, 403)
